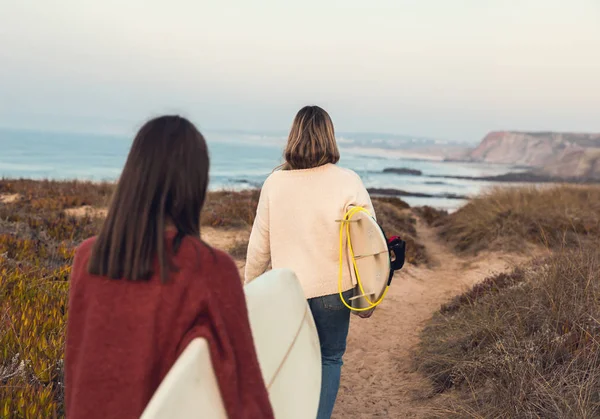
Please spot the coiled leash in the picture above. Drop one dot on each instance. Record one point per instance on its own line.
(396, 248)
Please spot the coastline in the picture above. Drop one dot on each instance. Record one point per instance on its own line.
(526, 176)
(395, 153)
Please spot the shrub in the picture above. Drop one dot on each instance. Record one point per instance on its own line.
(239, 249)
(230, 209)
(37, 243)
(54, 195)
(432, 216)
(32, 318)
(392, 200)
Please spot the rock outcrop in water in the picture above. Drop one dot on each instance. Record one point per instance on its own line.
(563, 155)
(402, 193)
(403, 171)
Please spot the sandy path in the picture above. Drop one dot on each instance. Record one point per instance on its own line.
(378, 380)
(225, 239)
(87, 210)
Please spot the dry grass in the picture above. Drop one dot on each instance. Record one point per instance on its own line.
(523, 345)
(239, 249)
(52, 195)
(393, 201)
(556, 217)
(230, 209)
(432, 216)
(86, 199)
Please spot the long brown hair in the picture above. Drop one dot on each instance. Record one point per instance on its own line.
(163, 184)
(311, 142)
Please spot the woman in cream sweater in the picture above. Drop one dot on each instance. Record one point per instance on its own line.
(296, 228)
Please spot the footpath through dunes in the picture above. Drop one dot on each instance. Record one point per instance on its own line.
(378, 378)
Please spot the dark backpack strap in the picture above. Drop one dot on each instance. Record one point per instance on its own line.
(397, 247)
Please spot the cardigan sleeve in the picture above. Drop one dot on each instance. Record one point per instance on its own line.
(222, 320)
(259, 245)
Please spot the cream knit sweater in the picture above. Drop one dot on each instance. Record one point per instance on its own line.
(296, 228)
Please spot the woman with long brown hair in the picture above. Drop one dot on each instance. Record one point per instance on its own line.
(147, 285)
(295, 228)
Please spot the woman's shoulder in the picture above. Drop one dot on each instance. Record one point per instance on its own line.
(277, 177)
(87, 244)
(343, 171)
(348, 176)
(84, 249)
(194, 249)
(274, 176)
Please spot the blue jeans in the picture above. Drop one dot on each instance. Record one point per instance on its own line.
(333, 320)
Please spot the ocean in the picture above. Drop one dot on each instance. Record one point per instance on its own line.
(238, 161)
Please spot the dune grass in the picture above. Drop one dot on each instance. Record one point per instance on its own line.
(505, 219)
(432, 216)
(523, 344)
(230, 209)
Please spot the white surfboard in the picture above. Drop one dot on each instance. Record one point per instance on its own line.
(286, 342)
(288, 350)
(372, 258)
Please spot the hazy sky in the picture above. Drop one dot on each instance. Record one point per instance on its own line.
(450, 69)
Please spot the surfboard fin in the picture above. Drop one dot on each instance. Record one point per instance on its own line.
(372, 254)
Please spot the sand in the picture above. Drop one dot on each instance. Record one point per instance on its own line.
(86, 210)
(9, 198)
(225, 239)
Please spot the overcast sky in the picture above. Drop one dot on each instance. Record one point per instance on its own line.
(449, 69)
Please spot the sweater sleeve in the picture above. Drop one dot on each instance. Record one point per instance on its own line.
(259, 246)
(223, 321)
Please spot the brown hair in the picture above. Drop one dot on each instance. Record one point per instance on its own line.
(311, 142)
(163, 184)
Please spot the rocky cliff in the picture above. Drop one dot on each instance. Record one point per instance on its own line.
(551, 153)
(583, 163)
